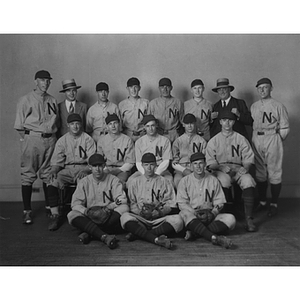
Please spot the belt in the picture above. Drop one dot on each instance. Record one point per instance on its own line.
(267, 132)
(260, 133)
(43, 135)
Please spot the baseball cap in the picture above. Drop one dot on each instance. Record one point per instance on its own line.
(133, 81)
(189, 118)
(73, 118)
(111, 117)
(165, 81)
(196, 82)
(148, 157)
(226, 114)
(102, 86)
(96, 159)
(262, 81)
(197, 156)
(148, 118)
(42, 74)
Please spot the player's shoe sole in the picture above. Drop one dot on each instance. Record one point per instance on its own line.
(163, 241)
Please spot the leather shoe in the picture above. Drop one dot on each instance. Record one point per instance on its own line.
(250, 227)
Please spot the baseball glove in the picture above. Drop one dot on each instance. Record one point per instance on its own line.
(147, 210)
(205, 216)
(98, 214)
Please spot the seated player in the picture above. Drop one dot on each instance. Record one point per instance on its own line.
(97, 204)
(200, 199)
(152, 201)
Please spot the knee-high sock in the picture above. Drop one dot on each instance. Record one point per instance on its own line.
(227, 193)
(114, 220)
(53, 196)
(88, 226)
(275, 192)
(262, 190)
(196, 226)
(248, 197)
(46, 194)
(165, 228)
(140, 230)
(217, 227)
(26, 196)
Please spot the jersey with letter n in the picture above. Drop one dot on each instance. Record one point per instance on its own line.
(117, 150)
(204, 193)
(234, 149)
(70, 150)
(160, 146)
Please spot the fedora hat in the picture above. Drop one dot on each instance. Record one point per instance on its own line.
(69, 84)
(221, 83)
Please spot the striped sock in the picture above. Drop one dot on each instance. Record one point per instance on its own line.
(196, 226)
(275, 192)
(86, 225)
(163, 229)
(217, 227)
(140, 230)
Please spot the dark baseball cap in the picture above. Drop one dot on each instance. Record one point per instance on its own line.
(196, 82)
(42, 74)
(96, 160)
(102, 86)
(165, 81)
(73, 118)
(133, 81)
(262, 81)
(189, 118)
(148, 157)
(226, 114)
(112, 117)
(148, 118)
(197, 156)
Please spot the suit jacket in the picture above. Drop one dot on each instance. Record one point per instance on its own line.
(239, 125)
(80, 108)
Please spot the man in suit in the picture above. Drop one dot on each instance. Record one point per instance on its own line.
(70, 105)
(229, 103)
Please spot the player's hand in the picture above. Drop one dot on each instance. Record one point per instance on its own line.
(81, 174)
(52, 175)
(241, 171)
(225, 169)
(186, 172)
(236, 112)
(214, 115)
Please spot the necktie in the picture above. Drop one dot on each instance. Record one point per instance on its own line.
(224, 103)
(71, 110)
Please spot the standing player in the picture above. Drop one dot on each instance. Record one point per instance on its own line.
(68, 163)
(154, 143)
(270, 128)
(70, 105)
(167, 110)
(117, 148)
(36, 121)
(200, 199)
(231, 104)
(103, 194)
(184, 146)
(199, 107)
(95, 119)
(152, 199)
(133, 109)
(229, 155)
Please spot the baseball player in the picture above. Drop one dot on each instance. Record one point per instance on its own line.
(152, 200)
(270, 129)
(184, 146)
(133, 109)
(117, 148)
(68, 163)
(167, 110)
(104, 193)
(200, 199)
(154, 143)
(70, 105)
(95, 119)
(229, 155)
(37, 120)
(229, 103)
(199, 107)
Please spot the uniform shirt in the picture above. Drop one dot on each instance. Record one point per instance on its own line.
(90, 192)
(168, 112)
(132, 112)
(95, 119)
(160, 147)
(117, 149)
(234, 149)
(37, 112)
(205, 193)
(70, 150)
(154, 190)
(185, 145)
(202, 111)
(269, 115)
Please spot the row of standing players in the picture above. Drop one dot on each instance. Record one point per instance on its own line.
(148, 122)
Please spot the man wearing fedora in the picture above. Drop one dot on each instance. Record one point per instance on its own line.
(229, 103)
(70, 105)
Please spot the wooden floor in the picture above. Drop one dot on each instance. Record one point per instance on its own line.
(275, 244)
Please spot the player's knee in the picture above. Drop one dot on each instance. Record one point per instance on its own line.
(121, 209)
(246, 181)
(126, 217)
(224, 179)
(228, 219)
(176, 222)
(72, 215)
(186, 216)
